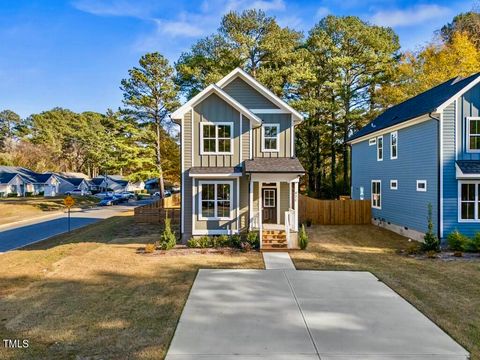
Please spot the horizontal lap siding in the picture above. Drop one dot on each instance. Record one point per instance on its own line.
(417, 160)
(455, 143)
(247, 95)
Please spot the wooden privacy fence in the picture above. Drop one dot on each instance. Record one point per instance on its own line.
(157, 211)
(334, 212)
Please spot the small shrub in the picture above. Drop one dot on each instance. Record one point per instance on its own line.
(473, 244)
(302, 238)
(457, 241)
(13, 194)
(236, 241)
(167, 239)
(253, 239)
(431, 242)
(222, 241)
(308, 222)
(41, 193)
(205, 242)
(413, 248)
(149, 248)
(193, 243)
(28, 194)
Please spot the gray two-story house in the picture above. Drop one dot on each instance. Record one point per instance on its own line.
(423, 151)
(238, 167)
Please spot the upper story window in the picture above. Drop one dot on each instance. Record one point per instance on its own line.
(422, 185)
(393, 145)
(270, 134)
(372, 142)
(216, 138)
(473, 134)
(380, 148)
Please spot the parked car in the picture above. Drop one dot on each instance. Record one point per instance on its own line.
(108, 201)
(120, 198)
(103, 195)
(166, 193)
(128, 195)
(78, 192)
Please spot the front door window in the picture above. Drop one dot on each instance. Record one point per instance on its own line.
(270, 206)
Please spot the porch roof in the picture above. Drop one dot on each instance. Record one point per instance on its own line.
(469, 166)
(274, 165)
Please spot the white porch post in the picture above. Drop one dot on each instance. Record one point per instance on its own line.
(250, 204)
(260, 220)
(295, 194)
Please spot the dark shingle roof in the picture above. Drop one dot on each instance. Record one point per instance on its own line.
(73, 181)
(469, 166)
(5, 177)
(97, 180)
(419, 105)
(274, 165)
(213, 170)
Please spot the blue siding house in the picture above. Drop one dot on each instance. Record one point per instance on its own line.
(423, 151)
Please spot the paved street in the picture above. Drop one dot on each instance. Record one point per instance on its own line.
(308, 315)
(21, 234)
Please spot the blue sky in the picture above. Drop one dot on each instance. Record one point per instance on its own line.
(74, 53)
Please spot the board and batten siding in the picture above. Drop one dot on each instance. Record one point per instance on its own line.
(186, 180)
(285, 149)
(455, 147)
(247, 95)
(417, 160)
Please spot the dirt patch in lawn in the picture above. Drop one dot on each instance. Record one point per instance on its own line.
(448, 292)
(90, 295)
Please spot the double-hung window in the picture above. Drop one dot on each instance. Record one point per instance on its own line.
(380, 148)
(215, 200)
(473, 134)
(270, 134)
(469, 201)
(376, 194)
(393, 145)
(216, 138)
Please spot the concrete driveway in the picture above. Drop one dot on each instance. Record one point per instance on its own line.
(303, 315)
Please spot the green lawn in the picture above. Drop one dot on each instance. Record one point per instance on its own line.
(448, 292)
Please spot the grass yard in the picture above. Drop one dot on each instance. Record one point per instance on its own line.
(90, 295)
(448, 292)
(22, 208)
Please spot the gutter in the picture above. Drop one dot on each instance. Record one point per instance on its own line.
(439, 176)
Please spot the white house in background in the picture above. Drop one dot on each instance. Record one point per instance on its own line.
(115, 183)
(11, 183)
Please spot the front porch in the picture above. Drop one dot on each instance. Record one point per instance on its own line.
(274, 210)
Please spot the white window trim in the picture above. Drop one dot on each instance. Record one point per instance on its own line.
(378, 152)
(203, 152)
(372, 142)
(277, 138)
(274, 198)
(469, 118)
(371, 195)
(422, 182)
(391, 145)
(459, 196)
(393, 182)
(215, 182)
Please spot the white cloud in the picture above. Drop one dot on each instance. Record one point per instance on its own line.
(179, 27)
(411, 16)
(221, 6)
(322, 12)
(139, 9)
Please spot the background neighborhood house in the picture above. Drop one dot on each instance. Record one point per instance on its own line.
(239, 170)
(423, 151)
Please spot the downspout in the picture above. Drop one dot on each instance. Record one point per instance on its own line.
(439, 175)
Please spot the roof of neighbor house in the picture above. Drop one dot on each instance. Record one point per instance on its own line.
(469, 166)
(422, 104)
(274, 165)
(97, 180)
(6, 177)
(74, 181)
(70, 174)
(28, 175)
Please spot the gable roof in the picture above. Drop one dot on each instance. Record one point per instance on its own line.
(27, 175)
(469, 166)
(214, 89)
(430, 101)
(5, 177)
(74, 181)
(237, 72)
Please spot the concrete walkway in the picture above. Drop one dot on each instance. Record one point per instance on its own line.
(278, 260)
(303, 315)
